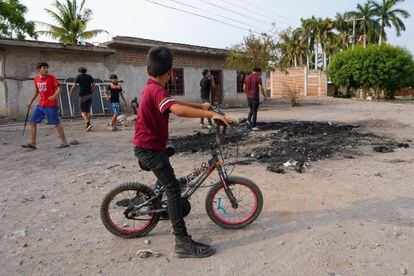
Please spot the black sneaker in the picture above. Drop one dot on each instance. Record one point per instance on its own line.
(88, 126)
(187, 248)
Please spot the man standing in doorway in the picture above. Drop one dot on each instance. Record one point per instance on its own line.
(87, 85)
(252, 86)
(206, 83)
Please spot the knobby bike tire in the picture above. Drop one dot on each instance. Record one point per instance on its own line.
(118, 231)
(232, 181)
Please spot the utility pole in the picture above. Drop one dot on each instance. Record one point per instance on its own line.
(353, 37)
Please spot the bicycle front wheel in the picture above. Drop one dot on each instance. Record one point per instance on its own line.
(249, 199)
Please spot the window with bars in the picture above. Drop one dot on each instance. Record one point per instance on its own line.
(241, 75)
(175, 85)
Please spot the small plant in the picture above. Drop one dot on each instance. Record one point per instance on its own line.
(291, 94)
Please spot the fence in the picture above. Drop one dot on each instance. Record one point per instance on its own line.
(69, 106)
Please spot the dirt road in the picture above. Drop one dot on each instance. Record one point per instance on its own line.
(342, 216)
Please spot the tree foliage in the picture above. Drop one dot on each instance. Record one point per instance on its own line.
(72, 19)
(317, 40)
(376, 68)
(255, 51)
(12, 21)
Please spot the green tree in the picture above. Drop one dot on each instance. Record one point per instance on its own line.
(256, 50)
(388, 16)
(72, 20)
(12, 21)
(376, 68)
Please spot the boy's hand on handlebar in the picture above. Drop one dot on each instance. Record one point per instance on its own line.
(223, 119)
(206, 106)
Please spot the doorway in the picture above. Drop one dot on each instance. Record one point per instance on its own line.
(216, 93)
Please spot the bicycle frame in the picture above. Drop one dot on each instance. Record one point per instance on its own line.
(213, 164)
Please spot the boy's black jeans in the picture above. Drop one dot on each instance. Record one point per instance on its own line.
(159, 164)
(254, 106)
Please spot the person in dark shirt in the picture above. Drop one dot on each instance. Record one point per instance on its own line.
(116, 92)
(252, 86)
(206, 83)
(87, 86)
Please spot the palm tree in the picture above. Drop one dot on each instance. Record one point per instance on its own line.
(389, 16)
(343, 29)
(72, 20)
(323, 30)
(305, 34)
(369, 28)
(333, 45)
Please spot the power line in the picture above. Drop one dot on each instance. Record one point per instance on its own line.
(255, 12)
(340, 4)
(232, 11)
(200, 15)
(225, 17)
(271, 13)
(319, 5)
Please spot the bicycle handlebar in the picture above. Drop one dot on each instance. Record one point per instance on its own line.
(221, 128)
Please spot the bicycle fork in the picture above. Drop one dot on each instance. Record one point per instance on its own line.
(229, 193)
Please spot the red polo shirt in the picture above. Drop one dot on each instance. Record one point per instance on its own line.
(46, 87)
(252, 82)
(151, 129)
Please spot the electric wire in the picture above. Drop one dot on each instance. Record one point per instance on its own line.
(271, 13)
(225, 17)
(200, 15)
(232, 11)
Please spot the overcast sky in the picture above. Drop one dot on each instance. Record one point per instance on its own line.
(141, 18)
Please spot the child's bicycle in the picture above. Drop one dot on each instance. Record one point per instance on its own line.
(132, 210)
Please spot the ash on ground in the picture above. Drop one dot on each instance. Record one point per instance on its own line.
(294, 143)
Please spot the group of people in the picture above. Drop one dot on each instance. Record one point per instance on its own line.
(252, 87)
(151, 129)
(48, 87)
(113, 93)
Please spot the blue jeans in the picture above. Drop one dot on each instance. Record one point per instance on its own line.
(116, 107)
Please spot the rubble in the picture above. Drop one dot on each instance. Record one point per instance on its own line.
(145, 253)
(383, 149)
(74, 142)
(299, 141)
(130, 121)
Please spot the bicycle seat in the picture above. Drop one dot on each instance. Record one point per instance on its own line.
(169, 151)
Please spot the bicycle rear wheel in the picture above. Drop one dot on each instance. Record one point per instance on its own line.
(249, 199)
(121, 218)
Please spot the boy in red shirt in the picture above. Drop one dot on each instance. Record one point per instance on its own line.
(150, 140)
(49, 88)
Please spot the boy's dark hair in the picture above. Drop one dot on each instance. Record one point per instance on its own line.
(159, 61)
(82, 70)
(41, 64)
(205, 72)
(113, 76)
(257, 69)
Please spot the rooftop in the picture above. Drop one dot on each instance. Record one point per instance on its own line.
(141, 43)
(53, 45)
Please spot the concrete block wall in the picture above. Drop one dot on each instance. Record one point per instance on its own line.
(18, 68)
(307, 82)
